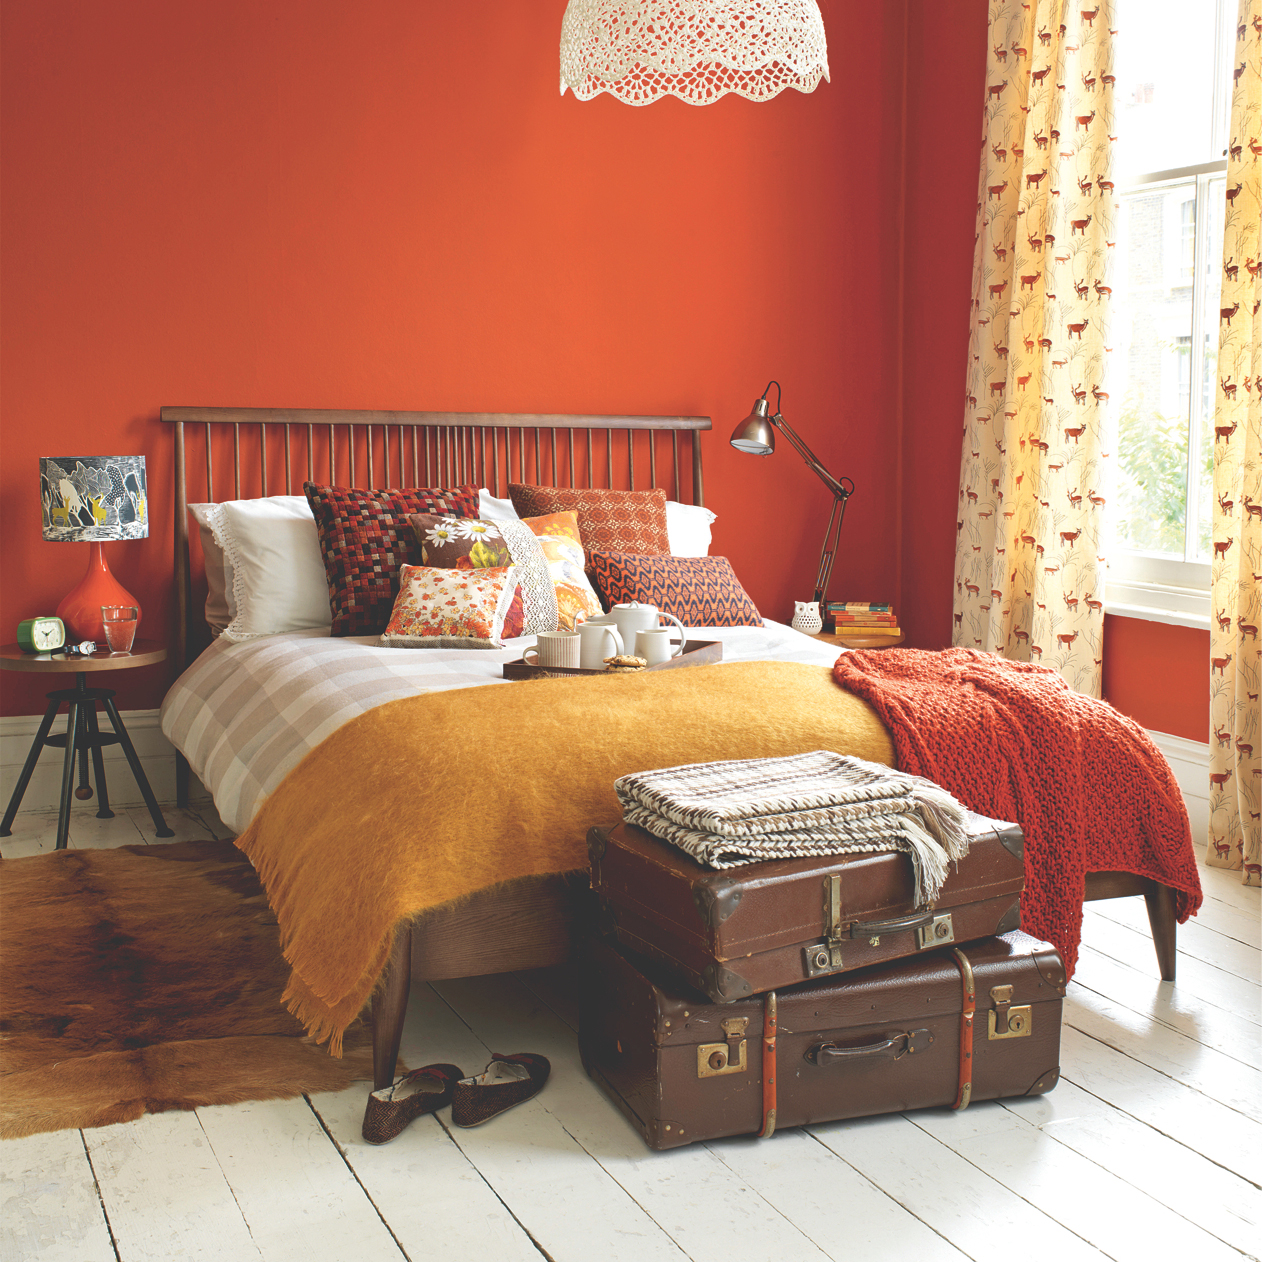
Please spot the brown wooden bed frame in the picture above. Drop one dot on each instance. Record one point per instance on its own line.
(525, 924)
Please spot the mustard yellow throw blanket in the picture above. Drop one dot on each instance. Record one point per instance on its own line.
(422, 802)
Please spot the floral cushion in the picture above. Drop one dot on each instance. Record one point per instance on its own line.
(544, 551)
(608, 521)
(450, 609)
(699, 591)
(365, 538)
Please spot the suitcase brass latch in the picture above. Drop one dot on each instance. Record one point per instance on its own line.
(1003, 1020)
(938, 932)
(825, 957)
(714, 1059)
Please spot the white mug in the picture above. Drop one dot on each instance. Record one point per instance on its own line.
(632, 617)
(598, 640)
(654, 645)
(554, 648)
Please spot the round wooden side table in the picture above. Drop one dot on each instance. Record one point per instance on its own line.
(854, 640)
(82, 735)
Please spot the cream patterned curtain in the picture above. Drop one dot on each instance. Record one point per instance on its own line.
(1235, 657)
(1029, 574)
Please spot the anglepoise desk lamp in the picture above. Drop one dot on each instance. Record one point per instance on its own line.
(756, 434)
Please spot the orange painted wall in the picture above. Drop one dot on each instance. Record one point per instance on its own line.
(1159, 675)
(308, 203)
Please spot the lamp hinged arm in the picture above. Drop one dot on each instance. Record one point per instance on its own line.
(842, 488)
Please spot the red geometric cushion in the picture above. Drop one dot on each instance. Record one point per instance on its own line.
(699, 591)
(608, 521)
(365, 538)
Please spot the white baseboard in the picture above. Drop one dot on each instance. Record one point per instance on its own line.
(156, 754)
(1189, 760)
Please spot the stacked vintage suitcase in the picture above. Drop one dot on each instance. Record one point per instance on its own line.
(779, 993)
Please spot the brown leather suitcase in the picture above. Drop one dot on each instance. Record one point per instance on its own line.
(963, 1024)
(736, 932)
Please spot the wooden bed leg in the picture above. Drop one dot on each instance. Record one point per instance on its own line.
(1161, 918)
(389, 1007)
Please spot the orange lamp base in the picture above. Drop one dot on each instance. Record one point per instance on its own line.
(80, 608)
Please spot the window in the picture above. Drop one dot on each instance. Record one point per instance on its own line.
(1173, 110)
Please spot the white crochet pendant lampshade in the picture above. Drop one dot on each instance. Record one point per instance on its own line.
(697, 50)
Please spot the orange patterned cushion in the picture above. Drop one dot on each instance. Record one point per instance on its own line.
(450, 609)
(559, 538)
(699, 591)
(608, 521)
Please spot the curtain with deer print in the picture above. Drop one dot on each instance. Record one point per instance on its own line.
(1029, 574)
(1235, 657)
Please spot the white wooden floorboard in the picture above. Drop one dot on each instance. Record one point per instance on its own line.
(1089, 1199)
(89, 833)
(950, 1194)
(533, 1156)
(296, 1194)
(1222, 1203)
(700, 1203)
(49, 1207)
(437, 1204)
(1184, 1059)
(1223, 1135)
(34, 832)
(164, 1192)
(1230, 1033)
(1217, 934)
(1211, 985)
(1225, 885)
(845, 1214)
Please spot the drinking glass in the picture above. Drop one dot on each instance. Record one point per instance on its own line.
(120, 626)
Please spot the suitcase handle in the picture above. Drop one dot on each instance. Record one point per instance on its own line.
(899, 1045)
(874, 928)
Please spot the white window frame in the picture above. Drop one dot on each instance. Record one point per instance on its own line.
(1153, 587)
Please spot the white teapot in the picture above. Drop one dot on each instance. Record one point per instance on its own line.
(806, 617)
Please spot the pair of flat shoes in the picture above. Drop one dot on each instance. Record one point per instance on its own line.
(506, 1082)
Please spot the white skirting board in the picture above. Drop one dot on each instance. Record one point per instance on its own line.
(1189, 760)
(156, 753)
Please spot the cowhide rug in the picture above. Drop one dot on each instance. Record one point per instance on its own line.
(142, 979)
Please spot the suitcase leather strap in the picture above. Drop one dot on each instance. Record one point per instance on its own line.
(967, 1010)
(768, 1066)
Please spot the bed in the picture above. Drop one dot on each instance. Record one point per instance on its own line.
(293, 690)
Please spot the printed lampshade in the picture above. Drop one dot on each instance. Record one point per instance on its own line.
(93, 499)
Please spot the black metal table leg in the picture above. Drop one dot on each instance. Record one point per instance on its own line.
(67, 774)
(28, 768)
(136, 769)
(98, 767)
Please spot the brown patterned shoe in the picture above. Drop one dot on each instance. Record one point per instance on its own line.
(508, 1081)
(422, 1091)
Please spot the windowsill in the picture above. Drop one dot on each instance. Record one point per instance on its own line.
(1145, 613)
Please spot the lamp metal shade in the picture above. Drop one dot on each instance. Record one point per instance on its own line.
(696, 50)
(92, 499)
(755, 434)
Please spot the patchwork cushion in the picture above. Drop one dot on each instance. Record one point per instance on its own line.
(699, 591)
(608, 521)
(452, 543)
(365, 539)
(450, 609)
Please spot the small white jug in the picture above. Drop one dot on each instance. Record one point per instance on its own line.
(633, 616)
(806, 617)
(598, 640)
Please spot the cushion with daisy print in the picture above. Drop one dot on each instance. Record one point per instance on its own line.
(456, 543)
(450, 609)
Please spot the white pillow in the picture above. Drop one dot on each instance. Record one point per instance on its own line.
(491, 509)
(278, 577)
(688, 529)
(220, 607)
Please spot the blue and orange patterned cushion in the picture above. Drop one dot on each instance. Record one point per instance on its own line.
(699, 591)
(365, 540)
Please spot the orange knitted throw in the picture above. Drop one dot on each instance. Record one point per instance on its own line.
(1011, 740)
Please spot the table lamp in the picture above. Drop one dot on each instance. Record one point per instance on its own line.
(92, 499)
(756, 434)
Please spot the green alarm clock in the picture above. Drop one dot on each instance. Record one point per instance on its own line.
(41, 635)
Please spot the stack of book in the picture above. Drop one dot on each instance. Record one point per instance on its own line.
(861, 618)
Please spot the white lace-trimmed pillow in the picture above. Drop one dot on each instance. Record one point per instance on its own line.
(450, 609)
(278, 578)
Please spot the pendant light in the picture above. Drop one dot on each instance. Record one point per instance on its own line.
(697, 50)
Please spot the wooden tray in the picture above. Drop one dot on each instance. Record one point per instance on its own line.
(696, 653)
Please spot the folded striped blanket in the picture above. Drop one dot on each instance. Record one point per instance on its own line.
(729, 813)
